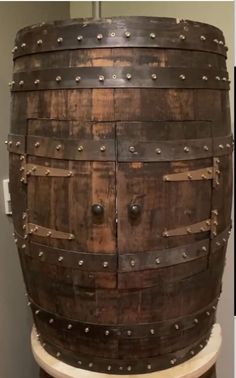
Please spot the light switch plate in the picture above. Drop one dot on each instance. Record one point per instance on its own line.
(7, 197)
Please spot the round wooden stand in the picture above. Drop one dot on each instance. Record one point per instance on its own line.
(201, 365)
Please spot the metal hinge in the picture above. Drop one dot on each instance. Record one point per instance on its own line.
(209, 173)
(29, 169)
(35, 229)
(203, 226)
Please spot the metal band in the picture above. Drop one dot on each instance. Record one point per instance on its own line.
(119, 77)
(16, 143)
(107, 331)
(203, 226)
(35, 229)
(122, 32)
(173, 150)
(126, 262)
(71, 149)
(131, 262)
(127, 366)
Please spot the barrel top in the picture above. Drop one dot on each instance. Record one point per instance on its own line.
(144, 22)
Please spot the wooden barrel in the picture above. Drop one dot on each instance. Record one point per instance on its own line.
(120, 180)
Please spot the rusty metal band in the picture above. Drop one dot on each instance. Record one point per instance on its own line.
(124, 33)
(127, 366)
(125, 262)
(131, 262)
(129, 331)
(104, 150)
(35, 229)
(120, 77)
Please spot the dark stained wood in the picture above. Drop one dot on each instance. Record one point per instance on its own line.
(138, 207)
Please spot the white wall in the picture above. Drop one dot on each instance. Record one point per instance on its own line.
(220, 14)
(16, 360)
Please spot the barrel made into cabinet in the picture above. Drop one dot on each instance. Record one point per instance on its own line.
(120, 180)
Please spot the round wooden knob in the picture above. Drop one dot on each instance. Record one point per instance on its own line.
(134, 210)
(97, 209)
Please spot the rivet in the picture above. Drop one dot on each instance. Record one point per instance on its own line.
(201, 346)
(206, 148)
(77, 79)
(105, 264)
(221, 146)
(99, 37)
(214, 233)
(182, 37)
(129, 368)
(202, 38)
(23, 246)
(49, 233)
(203, 177)
(224, 78)
(204, 248)
(79, 362)
(51, 321)
(218, 244)
(224, 240)
(114, 76)
(10, 143)
(128, 76)
(37, 312)
(69, 326)
(71, 236)
(80, 148)
(22, 157)
(58, 79)
(157, 260)
(80, 263)
(149, 367)
(39, 42)
(129, 333)
(132, 149)
(37, 144)
(228, 145)
(16, 241)
(176, 326)
(113, 34)
(152, 331)
(37, 81)
(209, 171)
(215, 40)
(103, 148)
(40, 253)
(58, 147)
(217, 78)
(190, 176)
(196, 321)
(221, 43)
(152, 35)
(154, 76)
(214, 308)
(132, 262)
(208, 313)
(184, 255)
(173, 361)
(165, 233)
(208, 223)
(127, 34)
(101, 78)
(58, 354)
(204, 77)
(86, 330)
(79, 38)
(47, 172)
(121, 368)
(107, 332)
(59, 40)
(158, 151)
(192, 352)
(182, 77)
(18, 144)
(23, 45)
(29, 304)
(109, 367)
(90, 364)
(60, 258)
(21, 83)
(186, 149)
(15, 48)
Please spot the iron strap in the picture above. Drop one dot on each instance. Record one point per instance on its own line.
(129, 331)
(128, 151)
(125, 262)
(119, 77)
(129, 365)
(120, 32)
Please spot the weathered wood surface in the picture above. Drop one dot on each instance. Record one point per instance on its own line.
(89, 165)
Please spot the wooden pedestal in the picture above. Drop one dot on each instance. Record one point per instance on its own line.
(200, 366)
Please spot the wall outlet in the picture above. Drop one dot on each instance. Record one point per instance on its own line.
(7, 197)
